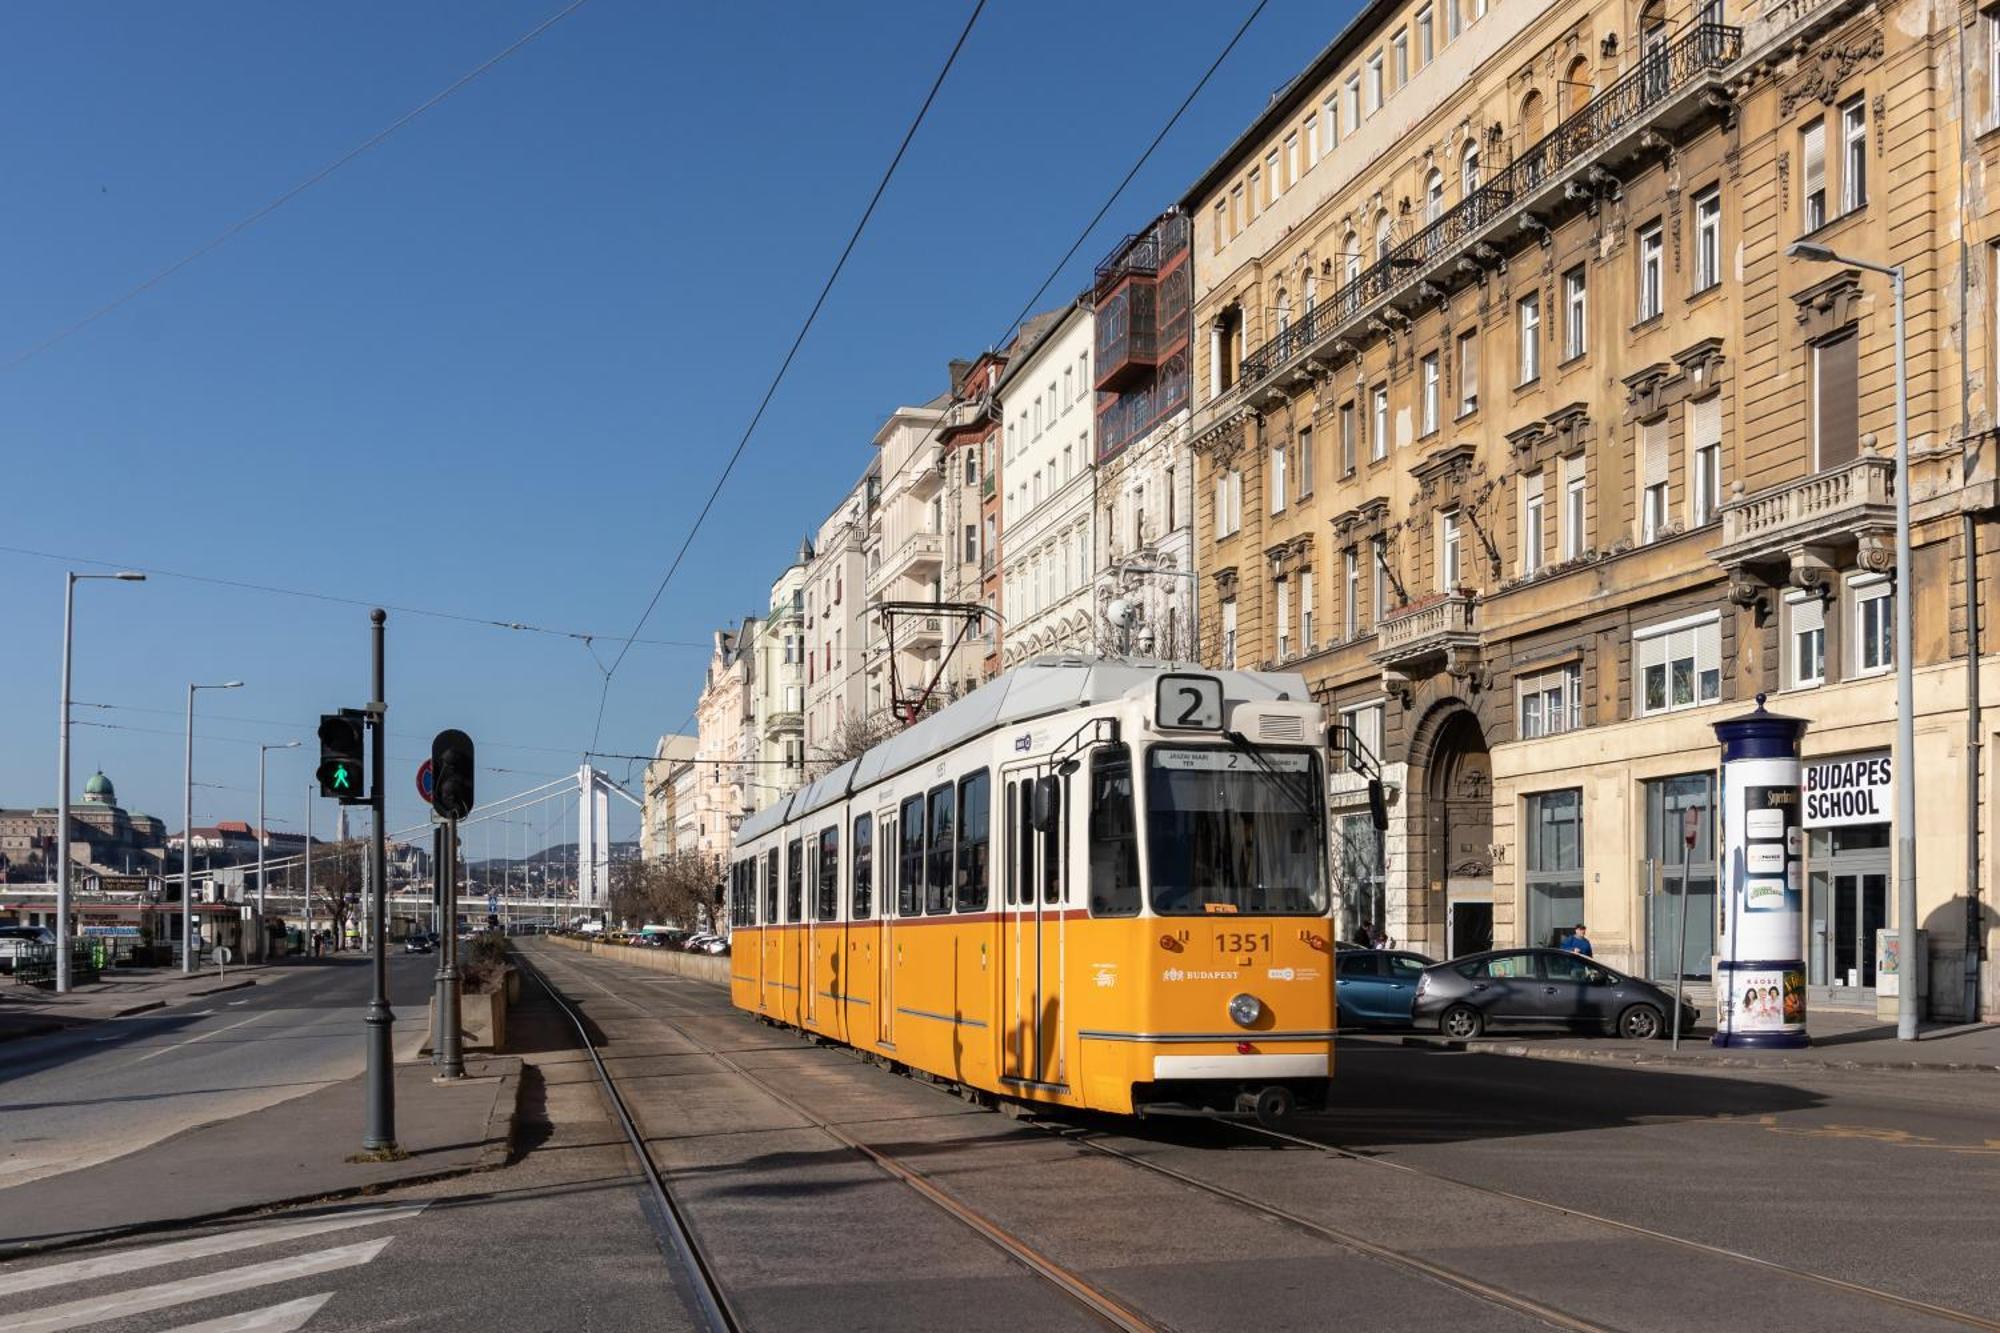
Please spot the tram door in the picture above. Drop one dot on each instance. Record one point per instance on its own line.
(887, 868)
(809, 949)
(1031, 934)
(768, 937)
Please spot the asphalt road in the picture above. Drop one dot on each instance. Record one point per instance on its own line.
(77, 1098)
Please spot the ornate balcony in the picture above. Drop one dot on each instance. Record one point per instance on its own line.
(1419, 639)
(1669, 87)
(919, 557)
(1128, 345)
(1804, 531)
(783, 722)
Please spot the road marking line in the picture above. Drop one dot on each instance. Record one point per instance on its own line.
(213, 1032)
(234, 1003)
(271, 1319)
(201, 1247)
(141, 1300)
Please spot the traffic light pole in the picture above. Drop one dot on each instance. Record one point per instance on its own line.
(450, 1044)
(380, 1134)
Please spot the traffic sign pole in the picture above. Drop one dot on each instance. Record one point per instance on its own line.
(449, 1049)
(380, 1133)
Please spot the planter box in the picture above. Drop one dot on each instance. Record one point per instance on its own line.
(482, 1022)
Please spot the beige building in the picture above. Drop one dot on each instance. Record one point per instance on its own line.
(726, 725)
(836, 625)
(780, 705)
(1520, 434)
(658, 814)
(906, 555)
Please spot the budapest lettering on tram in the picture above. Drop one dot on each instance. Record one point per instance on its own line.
(1091, 882)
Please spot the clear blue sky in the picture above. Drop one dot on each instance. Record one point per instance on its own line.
(492, 366)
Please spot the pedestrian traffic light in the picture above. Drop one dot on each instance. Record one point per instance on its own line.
(341, 772)
(451, 774)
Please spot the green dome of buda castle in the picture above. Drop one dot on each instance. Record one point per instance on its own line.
(99, 790)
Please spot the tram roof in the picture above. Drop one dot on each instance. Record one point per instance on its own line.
(1038, 687)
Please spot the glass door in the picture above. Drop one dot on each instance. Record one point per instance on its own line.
(1682, 877)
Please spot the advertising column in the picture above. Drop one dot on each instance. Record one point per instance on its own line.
(1760, 979)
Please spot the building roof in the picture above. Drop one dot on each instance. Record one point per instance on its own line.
(1036, 330)
(100, 790)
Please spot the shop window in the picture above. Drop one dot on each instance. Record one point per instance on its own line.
(1554, 833)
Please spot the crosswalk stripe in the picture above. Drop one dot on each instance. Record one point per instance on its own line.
(271, 1319)
(182, 1251)
(140, 1300)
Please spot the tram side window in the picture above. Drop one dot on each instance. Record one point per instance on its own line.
(795, 869)
(864, 867)
(1052, 845)
(1114, 835)
(771, 887)
(909, 884)
(975, 817)
(937, 881)
(829, 874)
(1020, 840)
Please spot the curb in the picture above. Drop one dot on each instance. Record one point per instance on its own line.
(129, 1010)
(217, 990)
(1575, 1055)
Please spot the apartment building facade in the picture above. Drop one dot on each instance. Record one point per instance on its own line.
(1145, 588)
(969, 438)
(659, 815)
(1595, 462)
(836, 624)
(780, 707)
(907, 554)
(726, 731)
(1049, 505)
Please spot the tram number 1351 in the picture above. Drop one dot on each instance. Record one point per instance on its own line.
(1242, 941)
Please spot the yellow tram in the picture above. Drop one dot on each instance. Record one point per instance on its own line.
(1091, 882)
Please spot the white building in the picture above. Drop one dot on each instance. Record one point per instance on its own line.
(835, 629)
(1049, 506)
(779, 733)
(906, 555)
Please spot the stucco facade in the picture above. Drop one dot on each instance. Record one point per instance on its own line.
(836, 626)
(1049, 504)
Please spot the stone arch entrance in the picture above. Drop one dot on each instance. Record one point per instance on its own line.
(1457, 860)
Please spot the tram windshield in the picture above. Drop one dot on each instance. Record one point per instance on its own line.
(1235, 830)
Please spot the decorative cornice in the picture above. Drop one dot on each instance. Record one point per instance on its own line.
(1828, 306)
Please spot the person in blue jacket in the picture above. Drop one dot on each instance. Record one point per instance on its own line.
(1578, 941)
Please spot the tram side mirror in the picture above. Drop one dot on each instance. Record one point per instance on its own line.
(1042, 807)
(1378, 805)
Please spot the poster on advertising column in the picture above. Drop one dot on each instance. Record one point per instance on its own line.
(1760, 990)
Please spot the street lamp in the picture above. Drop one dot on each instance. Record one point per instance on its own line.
(70, 581)
(1905, 751)
(187, 831)
(262, 837)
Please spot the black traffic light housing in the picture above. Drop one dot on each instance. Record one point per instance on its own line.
(451, 774)
(342, 774)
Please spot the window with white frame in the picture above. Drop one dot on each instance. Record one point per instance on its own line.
(1812, 176)
(1228, 633)
(1277, 486)
(1468, 170)
(1352, 90)
(1434, 196)
(1348, 425)
(1805, 640)
(1468, 372)
(1650, 276)
(1534, 522)
(1704, 429)
(1574, 515)
(1255, 193)
(1374, 82)
(1707, 239)
(1431, 390)
(1292, 166)
(1378, 444)
(1362, 724)
(1350, 593)
(1426, 37)
(1399, 47)
(1551, 702)
(1302, 484)
(1874, 601)
(1450, 547)
(1378, 566)
(1305, 610)
(1653, 475)
(1991, 21)
(1284, 619)
(1678, 665)
(1576, 327)
(1528, 321)
(1274, 176)
(1853, 155)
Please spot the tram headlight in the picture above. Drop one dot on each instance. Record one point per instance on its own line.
(1245, 1010)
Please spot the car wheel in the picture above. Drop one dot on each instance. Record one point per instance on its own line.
(1462, 1022)
(1642, 1022)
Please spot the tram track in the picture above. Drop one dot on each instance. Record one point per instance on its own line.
(1099, 1304)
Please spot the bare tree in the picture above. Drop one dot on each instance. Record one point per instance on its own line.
(678, 889)
(337, 874)
(853, 737)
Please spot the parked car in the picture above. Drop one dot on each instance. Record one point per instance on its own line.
(1376, 986)
(1465, 996)
(420, 943)
(712, 944)
(18, 940)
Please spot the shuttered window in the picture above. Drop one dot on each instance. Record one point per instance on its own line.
(1812, 174)
(1806, 640)
(1836, 401)
(1653, 477)
(1573, 517)
(1284, 619)
(1705, 456)
(1677, 666)
(1533, 522)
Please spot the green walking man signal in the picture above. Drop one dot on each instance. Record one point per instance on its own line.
(341, 771)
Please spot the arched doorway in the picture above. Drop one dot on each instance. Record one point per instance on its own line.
(1458, 809)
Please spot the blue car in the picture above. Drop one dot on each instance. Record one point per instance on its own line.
(1376, 987)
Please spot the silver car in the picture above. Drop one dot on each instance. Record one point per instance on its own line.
(1549, 987)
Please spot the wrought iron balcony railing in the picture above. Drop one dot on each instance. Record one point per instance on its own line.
(1661, 76)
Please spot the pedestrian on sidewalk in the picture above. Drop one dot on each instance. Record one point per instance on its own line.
(1362, 939)
(1578, 942)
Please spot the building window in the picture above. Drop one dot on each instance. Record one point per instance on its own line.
(1853, 155)
(1221, 224)
(1992, 22)
(1576, 326)
(1704, 424)
(1552, 702)
(1650, 276)
(1431, 391)
(1555, 865)
(1468, 171)
(1353, 92)
(1284, 619)
(1305, 610)
(1228, 633)
(1228, 503)
(1449, 546)
(1399, 47)
(1679, 665)
(1533, 522)
(1362, 726)
(1468, 372)
(1874, 624)
(1312, 133)
(1304, 484)
(1529, 322)
(1378, 444)
(1255, 194)
(1273, 177)
(1433, 196)
(1277, 479)
(1236, 214)
(1707, 239)
(1426, 37)
(1653, 479)
(1836, 401)
(1374, 83)
(972, 543)
(1805, 638)
(1350, 590)
(1347, 450)
(1378, 564)
(1292, 157)
(1812, 176)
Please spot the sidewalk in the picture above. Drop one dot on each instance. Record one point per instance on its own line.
(27, 1011)
(1840, 1040)
(294, 1152)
